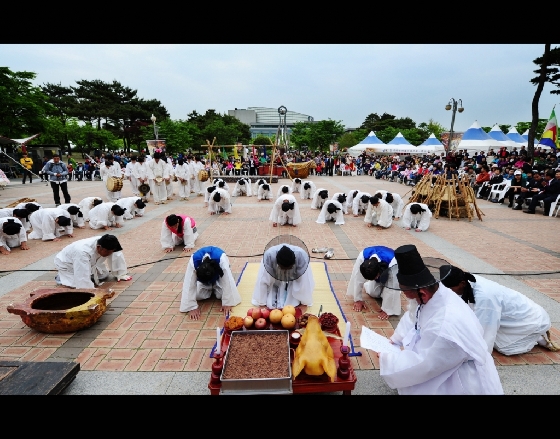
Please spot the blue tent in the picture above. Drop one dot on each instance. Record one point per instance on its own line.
(497, 134)
(431, 141)
(475, 139)
(400, 140)
(368, 142)
(514, 135)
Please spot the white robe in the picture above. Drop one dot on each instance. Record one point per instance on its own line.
(242, 189)
(444, 354)
(132, 210)
(380, 215)
(391, 298)
(182, 172)
(277, 215)
(158, 169)
(26, 223)
(258, 183)
(169, 183)
(307, 194)
(8, 212)
(296, 187)
(317, 202)
(197, 184)
(169, 239)
(78, 262)
(86, 205)
(264, 194)
(223, 206)
(101, 216)
(358, 206)
(130, 175)
(224, 288)
(141, 172)
(280, 193)
(8, 241)
(274, 293)
(77, 221)
(397, 204)
(511, 321)
(325, 216)
(350, 198)
(344, 205)
(416, 221)
(112, 171)
(43, 224)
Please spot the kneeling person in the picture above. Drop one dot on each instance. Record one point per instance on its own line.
(12, 234)
(176, 230)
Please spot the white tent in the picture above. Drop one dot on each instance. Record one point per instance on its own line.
(475, 139)
(368, 143)
(514, 135)
(432, 144)
(497, 134)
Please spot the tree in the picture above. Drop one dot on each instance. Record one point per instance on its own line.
(23, 106)
(179, 135)
(316, 135)
(261, 140)
(348, 140)
(375, 123)
(521, 127)
(544, 75)
(387, 126)
(227, 129)
(432, 127)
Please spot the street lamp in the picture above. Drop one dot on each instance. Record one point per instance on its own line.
(452, 105)
(153, 118)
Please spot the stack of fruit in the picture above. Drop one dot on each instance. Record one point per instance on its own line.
(260, 318)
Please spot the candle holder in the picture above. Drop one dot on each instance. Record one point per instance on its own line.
(343, 364)
(217, 369)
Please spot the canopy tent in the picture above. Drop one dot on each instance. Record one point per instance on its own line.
(475, 139)
(497, 134)
(370, 141)
(432, 143)
(525, 135)
(514, 135)
(399, 140)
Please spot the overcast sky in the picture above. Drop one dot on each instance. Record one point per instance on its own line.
(340, 82)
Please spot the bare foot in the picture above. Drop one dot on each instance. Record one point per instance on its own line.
(383, 315)
(370, 225)
(274, 224)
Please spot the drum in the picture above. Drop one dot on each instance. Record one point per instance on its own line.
(202, 175)
(159, 180)
(114, 184)
(144, 188)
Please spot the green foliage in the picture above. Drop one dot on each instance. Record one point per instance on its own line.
(226, 129)
(316, 135)
(552, 74)
(387, 126)
(376, 123)
(261, 140)
(348, 140)
(179, 135)
(23, 106)
(521, 127)
(432, 127)
(486, 129)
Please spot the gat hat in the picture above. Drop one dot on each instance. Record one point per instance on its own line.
(331, 208)
(217, 197)
(285, 256)
(117, 210)
(109, 242)
(73, 210)
(517, 173)
(324, 194)
(414, 272)
(64, 221)
(32, 207)
(287, 206)
(10, 227)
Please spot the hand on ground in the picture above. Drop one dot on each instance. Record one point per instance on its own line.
(226, 309)
(360, 305)
(194, 314)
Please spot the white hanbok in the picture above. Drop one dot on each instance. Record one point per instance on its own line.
(380, 215)
(169, 182)
(417, 221)
(444, 351)
(182, 172)
(26, 223)
(512, 322)
(86, 205)
(391, 298)
(242, 189)
(296, 187)
(112, 171)
(224, 288)
(43, 224)
(350, 197)
(9, 241)
(324, 215)
(77, 221)
(101, 216)
(129, 203)
(8, 212)
(272, 292)
(281, 192)
(317, 202)
(130, 175)
(222, 206)
(264, 194)
(170, 239)
(397, 204)
(141, 172)
(78, 262)
(307, 193)
(197, 184)
(344, 205)
(358, 206)
(258, 183)
(157, 169)
(292, 216)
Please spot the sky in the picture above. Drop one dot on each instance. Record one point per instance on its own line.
(345, 83)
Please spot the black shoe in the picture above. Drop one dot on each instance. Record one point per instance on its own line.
(501, 201)
(517, 207)
(546, 213)
(510, 205)
(532, 212)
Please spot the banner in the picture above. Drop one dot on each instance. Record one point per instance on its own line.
(550, 134)
(155, 144)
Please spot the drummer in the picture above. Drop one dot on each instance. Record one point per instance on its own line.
(199, 177)
(158, 173)
(111, 169)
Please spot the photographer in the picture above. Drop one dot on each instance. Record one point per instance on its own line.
(57, 172)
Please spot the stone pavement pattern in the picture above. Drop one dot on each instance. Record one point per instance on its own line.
(143, 338)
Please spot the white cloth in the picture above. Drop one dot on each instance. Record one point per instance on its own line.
(129, 203)
(296, 187)
(397, 204)
(280, 192)
(344, 205)
(416, 221)
(511, 321)
(277, 215)
(197, 184)
(444, 351)
(350, 197)
(380, 215)
(44, 226)
(325, 216)
(112, 171)
(25, 222)
(8, 241)
(169, 239)
(8, 212)
(86, 205)
(358, 206)
(169, 182)
(274, 293)
(317, 202)
(224, 205)
(130, 174)
(242, 189)
(263, 194)
(157, 168)
(78, 262)
(77, 221)
(224, 288)
(183, 174)
(307, 194)
(141, 172)
(101, 216)
(391, 303)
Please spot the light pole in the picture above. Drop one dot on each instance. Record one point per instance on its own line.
(452, 105)
(155, 128)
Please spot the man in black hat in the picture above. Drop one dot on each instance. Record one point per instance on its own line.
(106, 215)
(219, 202)
(12, 234)
(331, 211)
(284, 278)
(86, 262)
(264, 192)
(46, 224)
(443, 350)
(319, 197)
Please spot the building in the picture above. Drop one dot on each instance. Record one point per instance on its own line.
(264, 121)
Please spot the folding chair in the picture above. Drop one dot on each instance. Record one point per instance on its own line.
(555, 205)
(499, 190)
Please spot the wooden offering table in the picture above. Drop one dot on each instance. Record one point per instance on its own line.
(345, 380)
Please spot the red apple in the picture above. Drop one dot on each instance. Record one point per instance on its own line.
(248, 322)
(260, 323)
(256, 314)
(265, 312)
(250, 312)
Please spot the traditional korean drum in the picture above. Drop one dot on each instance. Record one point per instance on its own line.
(159, 180)
(114, 184)
(203, 175)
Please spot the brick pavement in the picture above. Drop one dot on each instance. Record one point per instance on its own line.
(143, 329)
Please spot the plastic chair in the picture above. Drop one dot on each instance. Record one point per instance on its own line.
(555, 205)
(499, 190)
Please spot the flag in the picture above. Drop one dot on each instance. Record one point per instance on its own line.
(550, 134)
(224, 153)
(264, 151)
(235, 155)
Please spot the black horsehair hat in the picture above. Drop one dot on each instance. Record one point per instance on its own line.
(109, 242)
(10, 227)
(64, 221)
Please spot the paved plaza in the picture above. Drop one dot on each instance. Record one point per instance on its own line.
(144, 345)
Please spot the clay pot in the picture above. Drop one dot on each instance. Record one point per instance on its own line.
(56, 311)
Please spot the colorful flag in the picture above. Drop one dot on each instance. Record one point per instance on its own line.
(235, 155)
(550, 133)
